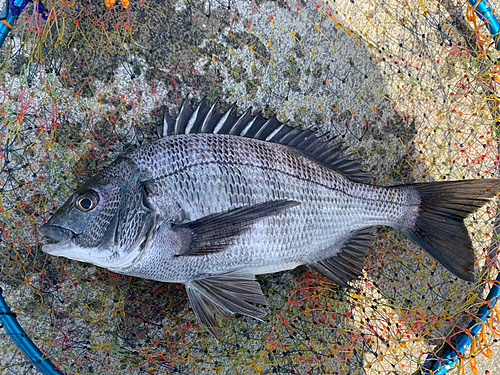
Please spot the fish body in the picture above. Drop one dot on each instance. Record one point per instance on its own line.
(221, 199)
(194, 176)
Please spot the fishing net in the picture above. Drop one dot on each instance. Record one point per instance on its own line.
(407, 86)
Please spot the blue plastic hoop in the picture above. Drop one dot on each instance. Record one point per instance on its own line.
(485, 13)
(7, 20)
(23, 342)
(441, 365)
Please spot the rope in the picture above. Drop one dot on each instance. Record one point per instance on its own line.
(40, 8)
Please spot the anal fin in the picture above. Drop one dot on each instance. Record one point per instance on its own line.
(348, 263)
(229, 293)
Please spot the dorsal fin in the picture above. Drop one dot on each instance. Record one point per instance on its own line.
(319, 148)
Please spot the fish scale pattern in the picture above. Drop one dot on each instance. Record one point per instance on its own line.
(409, 88)
(216, 173)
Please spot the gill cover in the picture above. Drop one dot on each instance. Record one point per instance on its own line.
(106, 213)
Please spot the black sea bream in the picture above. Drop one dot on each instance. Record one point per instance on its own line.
(220, 199)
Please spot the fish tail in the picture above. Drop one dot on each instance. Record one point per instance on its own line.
(439, 225)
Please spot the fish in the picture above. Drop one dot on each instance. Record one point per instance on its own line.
(219, 199)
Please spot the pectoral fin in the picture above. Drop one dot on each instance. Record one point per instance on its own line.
(230, 293)
(216, 232)
(348, 263)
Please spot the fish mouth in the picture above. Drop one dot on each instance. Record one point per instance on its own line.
(60, 235)
(60, 245)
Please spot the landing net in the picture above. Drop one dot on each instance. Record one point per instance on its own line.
(408, 86)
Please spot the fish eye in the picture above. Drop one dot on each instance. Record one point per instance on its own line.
(87, 201)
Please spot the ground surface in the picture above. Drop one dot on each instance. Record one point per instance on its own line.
(378, 76)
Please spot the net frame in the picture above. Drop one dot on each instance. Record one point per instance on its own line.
(130, 69)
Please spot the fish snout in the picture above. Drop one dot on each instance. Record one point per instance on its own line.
(56, 233)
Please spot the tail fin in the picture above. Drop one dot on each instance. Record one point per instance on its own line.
(439, 228)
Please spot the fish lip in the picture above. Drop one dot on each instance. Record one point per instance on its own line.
(59, 234)
(63, 246)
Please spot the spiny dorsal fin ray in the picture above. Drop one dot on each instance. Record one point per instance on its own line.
(250, 128)
(240, 123)
(226, 120)
(168, 126)
(211, 119)
(268, 127)
(347, 264)
(196, 118)
(204, 120)
(182, 118)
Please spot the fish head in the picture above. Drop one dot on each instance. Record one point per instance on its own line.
(103, 221)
